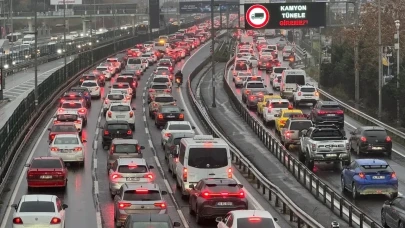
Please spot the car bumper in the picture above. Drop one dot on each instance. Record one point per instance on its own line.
(95, 93)
(308, 100)
(326, 157)
(69, 157)
(108, 140)
(208, 211)
(122, 216)
(375, 149)
(377, 189)
(43, 184)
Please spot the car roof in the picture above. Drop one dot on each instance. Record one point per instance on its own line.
(150, 218)
(251, 213)
(149, 186)
(124, 141)
(39, 197)
(224, 181)
(127, 161)
(163, 95)
(367, 128)
(116, 122)
(371, 162)
(179, 122)
(66, 135)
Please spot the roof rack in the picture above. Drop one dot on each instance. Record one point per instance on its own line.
(203, 137)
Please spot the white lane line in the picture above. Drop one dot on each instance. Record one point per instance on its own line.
(146, 130)
(98, 217)
(95, 144)
(252, 199)
(157, 161)
(95, 163)
(101, 111)
(144, 118)
(22, 174)
(169, 189)
(97, 130)
(183, 219)
(96, 191)
(150, 143)
(99, 119)
(143, 110)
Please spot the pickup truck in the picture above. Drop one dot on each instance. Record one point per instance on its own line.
(324, 144)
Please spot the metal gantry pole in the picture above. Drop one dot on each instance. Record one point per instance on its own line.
(36, 54)
(64, 40)
(213, 54)
(379, 62)
(398, 77)
(115, 27)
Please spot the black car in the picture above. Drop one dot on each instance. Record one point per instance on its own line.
(85, 92)
(149, 220)
(328, 112)
(166, 113)
(73, 96)
(215, 197)
(370, 140)
(115, 129)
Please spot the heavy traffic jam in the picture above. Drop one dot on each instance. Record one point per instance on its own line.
(311, 128)
(200, 165)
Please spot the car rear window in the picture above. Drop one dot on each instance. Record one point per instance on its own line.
(375, 133)
(376, 169)
(295, 79)
(125, 148)
(179, 127)
(164, 99)
(117, 126)
(255, 222)
(71, 105)
(128, 79)
(308, 90)
(134, 61)
(46, 164)
(208, 158)
(162, 79)
(37, 206)
(132, 169)
(255, 85)
(89, 84)
(120, 108)
(241, 67)
(170, 109)
(66, 140)
(63, 128)
(66, 117)
(142, 195)
(300, 125)
(120, 86)
(280, 104)
(115, 97)
(331, 106)
(159, 87)
(279, 70)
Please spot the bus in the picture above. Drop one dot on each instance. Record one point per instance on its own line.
(142, 29)
(15, 37)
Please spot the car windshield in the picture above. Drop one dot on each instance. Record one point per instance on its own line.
(89, 84)
(280, 104)
(371, 168)
(115, 97)
(151, 225)
(170, 109)
(161, 79)
(89, 77)
(134, 61)
(179, 127)
(66, 117)
(279, 70)
(300, 125)
(142, 195)
(120, 108)
(37, 206)
(255, 85)
(46, 164)
(295, 79)
(126, 148)
(117, 127)
(159, 87)
(308, 90)
(63, 128)
(132, 169)
(164, 99)
(376, 133)
(66, 140)
(255, 222)
(71, 105)
(326, 133)
(207, 158)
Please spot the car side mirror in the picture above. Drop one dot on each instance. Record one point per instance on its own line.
(84, 140)
(15, 206)
(142, 147)
(27, 165)
(176, 224)
(133, 108)
(49, 129)
(192, 127)
(64, 206)
(218, 219)
(182, 110)
(304, 132)
(164, 192)
(275, 219)
(240, 185)
(151, 167)
(191, 186)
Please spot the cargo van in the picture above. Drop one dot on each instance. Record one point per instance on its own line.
(28, 39)
(289, 81)
(202, 156)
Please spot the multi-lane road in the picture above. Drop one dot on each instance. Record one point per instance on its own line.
(88, 185)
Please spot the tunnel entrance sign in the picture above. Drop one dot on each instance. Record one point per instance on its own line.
(257, 16)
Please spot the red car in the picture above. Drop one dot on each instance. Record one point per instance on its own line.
(61, 128)
(46, 172)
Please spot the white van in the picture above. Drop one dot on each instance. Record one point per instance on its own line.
(161, 46)
(289, 81)
(202, 156)
(28, 39)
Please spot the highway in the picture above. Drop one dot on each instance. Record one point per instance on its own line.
(371, 205)
(85, 188)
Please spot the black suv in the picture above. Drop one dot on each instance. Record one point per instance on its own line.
(166, 113)
(370, 140)
(328, 112)
(115, 129)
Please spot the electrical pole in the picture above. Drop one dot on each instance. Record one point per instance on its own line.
(115, 27)
(379, 62)
(64, 39)
(397, 24)
(214, 105)
(356, 61)
(36, 54)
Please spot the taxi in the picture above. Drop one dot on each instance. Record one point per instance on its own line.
(281, 119)
(262, 102)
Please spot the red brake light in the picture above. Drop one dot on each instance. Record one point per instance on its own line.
(123, 205)
(109, 113)
(205, 195)
(255, 219)
(321, 112)
(131, 114)
(151, 90)
(185, 174)
(78, 121)
(393, 175)
(340, 112)
(106, 101)
(55, 220)
(17, 220)
(230, 173)
(299, 93)
(149, 176)
(115, 176)
(363, 139)
(181, 116)
(106, 132)
(160, 116)
(141, 190)
(54, 149)
(129, 132)
(77, 149)
(52, 136)
(362, 175)
(388, 139)
(82, 110)
(241, 194)
(168, 90)
(168, 134)
(161, 205)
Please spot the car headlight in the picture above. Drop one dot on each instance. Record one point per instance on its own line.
(59, 51)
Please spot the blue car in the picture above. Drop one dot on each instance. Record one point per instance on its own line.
(369, 177)
(85, 92)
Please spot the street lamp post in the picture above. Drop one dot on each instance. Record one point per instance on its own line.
(214, 104)
(397, 24)
(379, 62)
(36, 54)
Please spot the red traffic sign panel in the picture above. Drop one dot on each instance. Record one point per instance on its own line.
(257, 16)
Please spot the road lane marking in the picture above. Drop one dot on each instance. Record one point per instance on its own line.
(146, 130)
(96, 190)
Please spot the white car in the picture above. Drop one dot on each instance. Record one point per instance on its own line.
(149, 56)
(162, 79)
(111, 67)
(145, 64)
(247, 218)
(77, 106)
(39, 210)
(274, 107)
(112, 98)
(276, 83)
(121, 111)
(122, 91)
(69, 116)
(68, 147)
(252, 61)
(116, 62)
(305, 94)
(106, 71)
(241, 78)
(93, 88)
(176, 127)
(277, 71)
(123, 86)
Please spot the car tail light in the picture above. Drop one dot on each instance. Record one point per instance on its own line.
(82, 111)
(363, 139)
(116, 176)
(55, 122)
(255, 219)
(122, 205)
(288, 134)
(52, 136)
(185, 174)
(109, 114)
(282, 122)
(241, 194)
(317, 94)
(321, 112)
(77, 149)
(149, 176)
(181, 116)
(161, 205)
(362, 175)
(62, 100)
(299, 93)
(168, 90)
(393, 175)
(60, 109)
(205, 195)
(54, 149)
(106, 101)
(129, 132)
(133, 83)
(131, 114)
(78, 121)
(252, 98)
(151, 90)
(230, 173)
(170, 68)
(313, 147)
(247, 91)
(97, 88)
(17, 220)
(168, 135)
(160, 116)
(55, 220)
(176, 160)
(339, 112)
(106, 132)
(388, 139)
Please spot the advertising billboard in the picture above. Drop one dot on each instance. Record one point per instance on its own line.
(205, 7)
(285, 15)
(67, 2)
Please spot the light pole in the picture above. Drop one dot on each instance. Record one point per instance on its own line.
(214, 104)
(397, 24)
(36, 54)
(379, 62)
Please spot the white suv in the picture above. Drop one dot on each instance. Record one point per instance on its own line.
(305, 94)
(114, 98)
(93, 88)
(121, 111)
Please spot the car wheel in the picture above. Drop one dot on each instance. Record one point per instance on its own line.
(358, 151)
(355, 194)
(198, 218)
(342, 184)
(383, 219)
(190, 210)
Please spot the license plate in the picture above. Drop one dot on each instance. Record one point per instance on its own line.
(330, 115)
(170, 116)
(120, 116)
(46, 177)
(376, 148)
(64, 151)
(378, 177)
(224, 203)
(331, 155)
(132, 178)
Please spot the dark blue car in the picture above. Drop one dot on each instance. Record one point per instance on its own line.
(369, 177)
(85, 92)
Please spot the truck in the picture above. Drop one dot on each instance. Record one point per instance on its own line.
(325, 143)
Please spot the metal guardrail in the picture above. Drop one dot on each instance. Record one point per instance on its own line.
(322, 192)
(266, 187)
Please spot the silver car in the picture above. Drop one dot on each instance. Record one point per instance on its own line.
(124, 148)
(141, 198)
(129, 170)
